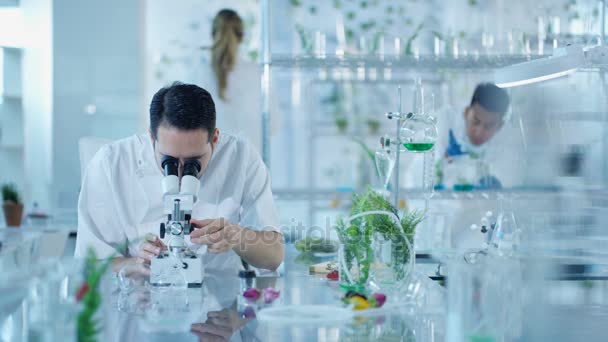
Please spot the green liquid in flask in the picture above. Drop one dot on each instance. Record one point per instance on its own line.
(418, 147)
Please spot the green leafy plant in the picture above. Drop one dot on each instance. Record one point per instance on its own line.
(341, 123)
(10, 194)
(357, 237)
(410, 40)
(439, 172)
(373, 125)
(253, 55)
(316, 245)
(305, 38)
(437, 34)
(89, 294)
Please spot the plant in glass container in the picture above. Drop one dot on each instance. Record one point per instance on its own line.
(375, 221)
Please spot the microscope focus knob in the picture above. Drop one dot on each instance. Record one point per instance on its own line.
(162, 230)
(176, 228)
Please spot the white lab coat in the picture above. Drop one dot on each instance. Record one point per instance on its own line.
(121, 197)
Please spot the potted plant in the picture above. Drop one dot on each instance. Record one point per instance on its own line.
(13, 208)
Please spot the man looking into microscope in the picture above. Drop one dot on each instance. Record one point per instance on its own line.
(122, 201)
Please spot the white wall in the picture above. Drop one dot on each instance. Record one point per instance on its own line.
(76, 53)
(38, 100)
(96, 61)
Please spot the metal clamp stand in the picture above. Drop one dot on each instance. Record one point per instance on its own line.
(400, 116)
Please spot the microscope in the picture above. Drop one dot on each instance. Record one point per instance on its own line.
(178, 200)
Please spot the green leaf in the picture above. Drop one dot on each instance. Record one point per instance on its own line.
(410, 41)
(368, 151)
(437, 34)
(253, 55)
(10, 193)
(350, 34)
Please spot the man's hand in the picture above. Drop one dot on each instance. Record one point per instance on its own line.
(218, 234)
(150, 248)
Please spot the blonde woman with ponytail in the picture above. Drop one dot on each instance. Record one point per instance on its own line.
(227, 35)
(234, 82)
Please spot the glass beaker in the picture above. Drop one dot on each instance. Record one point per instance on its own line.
(356, 252)
(385, 269)
(418, 133)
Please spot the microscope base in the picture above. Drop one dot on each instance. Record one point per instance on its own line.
(192, 269)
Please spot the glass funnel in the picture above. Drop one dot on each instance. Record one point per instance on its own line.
(418, 133)
(385, 162)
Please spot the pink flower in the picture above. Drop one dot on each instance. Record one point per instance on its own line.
(269, 295)
(380, 299)
(251, 294)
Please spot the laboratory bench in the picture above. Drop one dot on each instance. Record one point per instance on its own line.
(135, 312)
(214, 312)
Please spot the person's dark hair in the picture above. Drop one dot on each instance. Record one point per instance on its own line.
(491, 98)
(183, 106)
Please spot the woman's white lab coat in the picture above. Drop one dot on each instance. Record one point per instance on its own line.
(240, 113)
(121, 198)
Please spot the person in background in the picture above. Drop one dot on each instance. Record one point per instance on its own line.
(235, 81)
(483, 118)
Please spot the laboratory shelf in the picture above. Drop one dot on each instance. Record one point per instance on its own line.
(432, 63)
(328, 194)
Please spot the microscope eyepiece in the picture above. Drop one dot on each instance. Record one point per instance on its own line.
(192, 167)
(170, 165)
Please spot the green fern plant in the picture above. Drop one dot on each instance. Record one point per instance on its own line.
(357, 237)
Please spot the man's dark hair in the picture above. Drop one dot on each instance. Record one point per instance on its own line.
(491, 98)
(183, 106)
